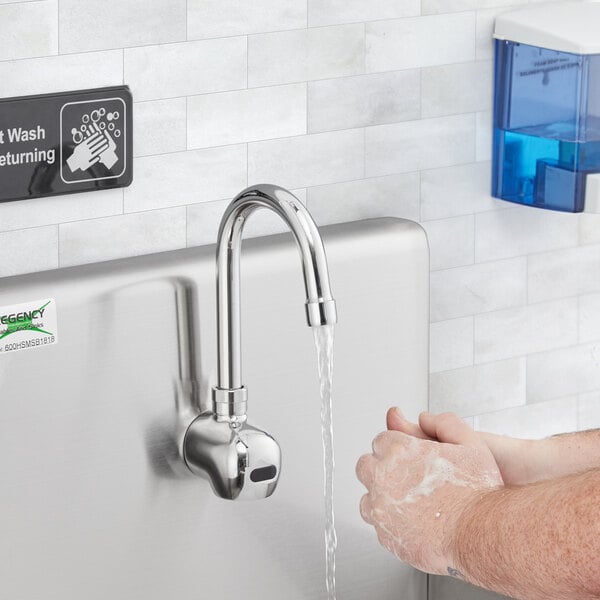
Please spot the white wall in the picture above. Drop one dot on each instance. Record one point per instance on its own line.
(364, 109)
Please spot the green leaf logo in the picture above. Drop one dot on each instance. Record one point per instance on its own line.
(24, 321)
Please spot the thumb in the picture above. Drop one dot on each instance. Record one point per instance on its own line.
(450, 429)
(394, 419)
(397, 422)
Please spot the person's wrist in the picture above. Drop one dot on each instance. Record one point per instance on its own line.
(517, 459)
(458, 531)
(541, 459)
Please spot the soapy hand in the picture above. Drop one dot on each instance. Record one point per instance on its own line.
(418, 489)
(520, 461)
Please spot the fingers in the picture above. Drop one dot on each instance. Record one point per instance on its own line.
(366, 509)
(365, 469)
(384, 441)
(450, 429)
(397, 422)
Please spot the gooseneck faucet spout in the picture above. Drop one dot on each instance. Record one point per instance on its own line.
(241, 461)
(230, 396)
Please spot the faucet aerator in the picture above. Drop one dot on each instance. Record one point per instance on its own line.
(322, 312)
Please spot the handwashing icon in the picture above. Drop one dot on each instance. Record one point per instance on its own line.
(94, 142)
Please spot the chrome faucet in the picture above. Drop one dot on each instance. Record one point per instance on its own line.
(243, 462)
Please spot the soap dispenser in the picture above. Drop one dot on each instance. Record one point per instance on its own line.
(547, 107)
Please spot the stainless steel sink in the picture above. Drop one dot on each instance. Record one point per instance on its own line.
(94, 502)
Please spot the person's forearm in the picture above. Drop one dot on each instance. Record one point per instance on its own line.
(569, 453)
(534, 542)
(527, 461)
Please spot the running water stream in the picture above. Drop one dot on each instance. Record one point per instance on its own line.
(324, 343)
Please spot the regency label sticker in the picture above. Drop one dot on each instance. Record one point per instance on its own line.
(28, 326)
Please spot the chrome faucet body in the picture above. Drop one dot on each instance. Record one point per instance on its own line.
(229, 396)
(220, 444)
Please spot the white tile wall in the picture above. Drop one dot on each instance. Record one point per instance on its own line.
(220, 18)
(305, 54)
(417, 145)
(160, 126)
(420, 42)
(29, 29)
(246, 115)
(86, 25)
(533, 421)
(187, 177)
(364, 100)
(480, 388)
(364, 109)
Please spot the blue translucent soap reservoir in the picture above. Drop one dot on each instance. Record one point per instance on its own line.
(547, 107)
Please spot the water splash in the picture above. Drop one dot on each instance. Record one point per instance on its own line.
(324, 343)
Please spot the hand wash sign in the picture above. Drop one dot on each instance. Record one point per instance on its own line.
(65, 143)
(18, 135)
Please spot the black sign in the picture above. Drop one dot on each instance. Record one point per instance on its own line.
(65, 143)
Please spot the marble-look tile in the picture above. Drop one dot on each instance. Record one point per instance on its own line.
(420, 42)
(563, 372)
(416, 145)
(522, 230)
(348, 102)
(305, 54)
(28, 29)
(479, 288)
(525, 330)
(451, 242)
(589, 228)
(478, 389)
(246, 115)
(334, 12)
(533, 421)
(159, 126)
(223, 18)
(588, 411)
(589, 318)
(28, 250)
(203, 221)
(310, 160)
(391, 196)
(86, 25)
(185, 69)
(484, 136)
(61, 73)
(456, 89)
(457, 190)
(38, 212)
(187, 178)
(118, 237)
(564, 273)
(484, 39)
(451, 344)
